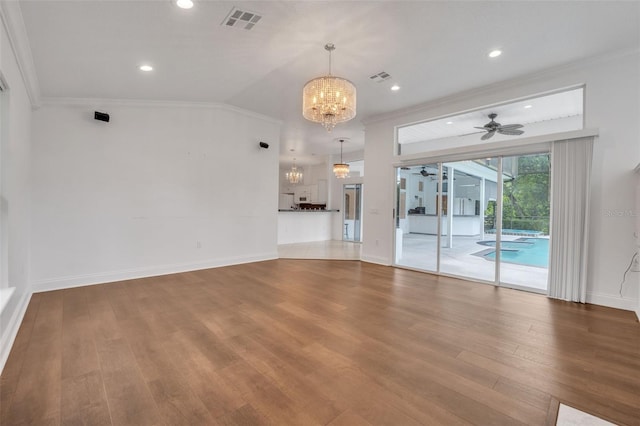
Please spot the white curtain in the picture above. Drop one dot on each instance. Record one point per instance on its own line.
(570, 188)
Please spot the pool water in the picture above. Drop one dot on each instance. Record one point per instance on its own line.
(516, 232)
(508, 245)
(535, 252)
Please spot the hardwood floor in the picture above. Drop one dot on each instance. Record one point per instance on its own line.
(306, 342)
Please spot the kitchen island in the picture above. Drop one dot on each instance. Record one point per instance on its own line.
(301, 226)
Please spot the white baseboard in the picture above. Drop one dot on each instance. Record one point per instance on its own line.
(375, 259)
(129, 274)
(11, 329)
(5, 296)
(612, 301)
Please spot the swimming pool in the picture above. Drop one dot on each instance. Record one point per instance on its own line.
(508, 245)
(523, 232)
(523, 251)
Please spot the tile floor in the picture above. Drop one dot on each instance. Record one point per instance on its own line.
(331, 249)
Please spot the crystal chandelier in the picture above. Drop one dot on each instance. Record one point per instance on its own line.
(294, 176)
(341, 170)
(329, 100)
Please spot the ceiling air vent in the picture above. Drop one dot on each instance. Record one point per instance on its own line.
(241, 19)
(380, 77)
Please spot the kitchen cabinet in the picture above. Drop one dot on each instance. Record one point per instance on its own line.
(288, 189)
(306, 194)
(285, 202)
(322, 191)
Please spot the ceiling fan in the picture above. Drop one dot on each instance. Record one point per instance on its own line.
(444, 176)
(425, 173)
(492, 127)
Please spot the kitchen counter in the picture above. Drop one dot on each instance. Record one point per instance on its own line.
(444, 215)
(308, 210)
(306, 225)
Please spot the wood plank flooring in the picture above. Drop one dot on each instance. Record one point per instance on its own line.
(311, 342)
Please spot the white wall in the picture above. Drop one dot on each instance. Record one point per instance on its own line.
(612, 105)
(15, 128)
(158, 189)
(637, 234)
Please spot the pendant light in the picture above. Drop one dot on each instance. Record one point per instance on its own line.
(341, 169)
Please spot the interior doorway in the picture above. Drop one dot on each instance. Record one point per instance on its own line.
(352, 213)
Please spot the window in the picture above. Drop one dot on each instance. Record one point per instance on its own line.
(540, 115)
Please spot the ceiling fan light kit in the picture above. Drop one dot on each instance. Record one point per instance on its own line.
(329, 100)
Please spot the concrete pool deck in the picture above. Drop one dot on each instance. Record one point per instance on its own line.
(419, 251)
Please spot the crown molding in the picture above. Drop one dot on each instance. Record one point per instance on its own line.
(141, 103)
(11, 16)
(505, 84)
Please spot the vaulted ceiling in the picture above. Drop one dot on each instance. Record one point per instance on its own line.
(92, 49)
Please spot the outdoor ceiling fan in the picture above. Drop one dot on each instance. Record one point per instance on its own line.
(444, 176)
(494, 127)
(424, 173)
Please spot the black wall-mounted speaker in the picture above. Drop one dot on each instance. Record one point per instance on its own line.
(102, 116)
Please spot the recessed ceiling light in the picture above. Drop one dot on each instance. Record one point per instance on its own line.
(184, 4)
(146, 68)
(528, 106)
(495, 53)
(449, 122)
(395, 87)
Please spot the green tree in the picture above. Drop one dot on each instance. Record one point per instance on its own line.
(526, 195)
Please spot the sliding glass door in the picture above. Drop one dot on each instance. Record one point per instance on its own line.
(417, 217)
(525, 221)
(469, 187)
(485, 219)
